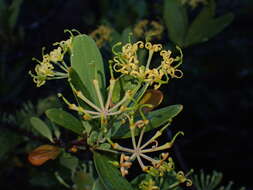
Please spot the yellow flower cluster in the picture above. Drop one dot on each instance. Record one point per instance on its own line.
(194, 3)
(149, 29)
(148, 184)
(101, 35)
(169, 168)
(45, 69)
(163, 167)
(127, 62)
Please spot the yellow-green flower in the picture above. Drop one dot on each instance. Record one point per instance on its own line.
(101, 35)
(44, 70)
(149, 29)
(148, 184)
(128, 63)
(56, 55)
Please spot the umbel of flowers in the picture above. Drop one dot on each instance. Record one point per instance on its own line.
(119, 111)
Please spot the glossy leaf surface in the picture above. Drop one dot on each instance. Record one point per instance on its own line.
(176, 20)
(77, 83)
(42, 128)
(65, 120)
(157, 118)
(88, 63)
(123, 84)
(205, 26)
(109, 174)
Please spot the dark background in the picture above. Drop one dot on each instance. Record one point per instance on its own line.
(216, 89)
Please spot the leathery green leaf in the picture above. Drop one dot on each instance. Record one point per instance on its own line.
(156, 118)
(219, 24)
(109, 174)
(98, 185)
(205, 26)
(122, 85)
(76, 82)
(176, 20)
(42, 128)
(88, 63)
(65, 120)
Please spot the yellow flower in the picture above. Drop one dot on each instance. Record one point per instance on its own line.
(101, 35)
(149, 29)
(182, 179)
(127, 62)
(56, 55)
(45, 69)
(148, 184)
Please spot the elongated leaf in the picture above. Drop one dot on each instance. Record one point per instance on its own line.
(75, 80)
(205, 26)
(42, 154)
(176, 20)
(65, 120)
(98, 185)
(42, 128)
(109, 174)
(123, 84)
(69, 161)
(219, 24)
(88, 63)
(8, 142)
(196, 33)
(83, 181)
(15, 9)
(2, 6)
(157, 118)
(151, 97)
(115, 38)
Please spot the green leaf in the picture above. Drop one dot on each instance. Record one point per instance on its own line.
(98, 185)
(15, 9)
(92, 139)
(42, 128)
(83, 180)
(157, 118)
(109, 174)
(2, 6)
(115, 38)
(69, 161)
(205, 26)
(123, 84)
(77, 83)
(88, 63)
(8, 142)
(219, 24)
(125, 35)
(176, 20)
(65, 120)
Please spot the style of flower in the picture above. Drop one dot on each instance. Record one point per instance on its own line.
(139, 149)
(128, 63)
(101, 35)
(104, 110)
(149, 29)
